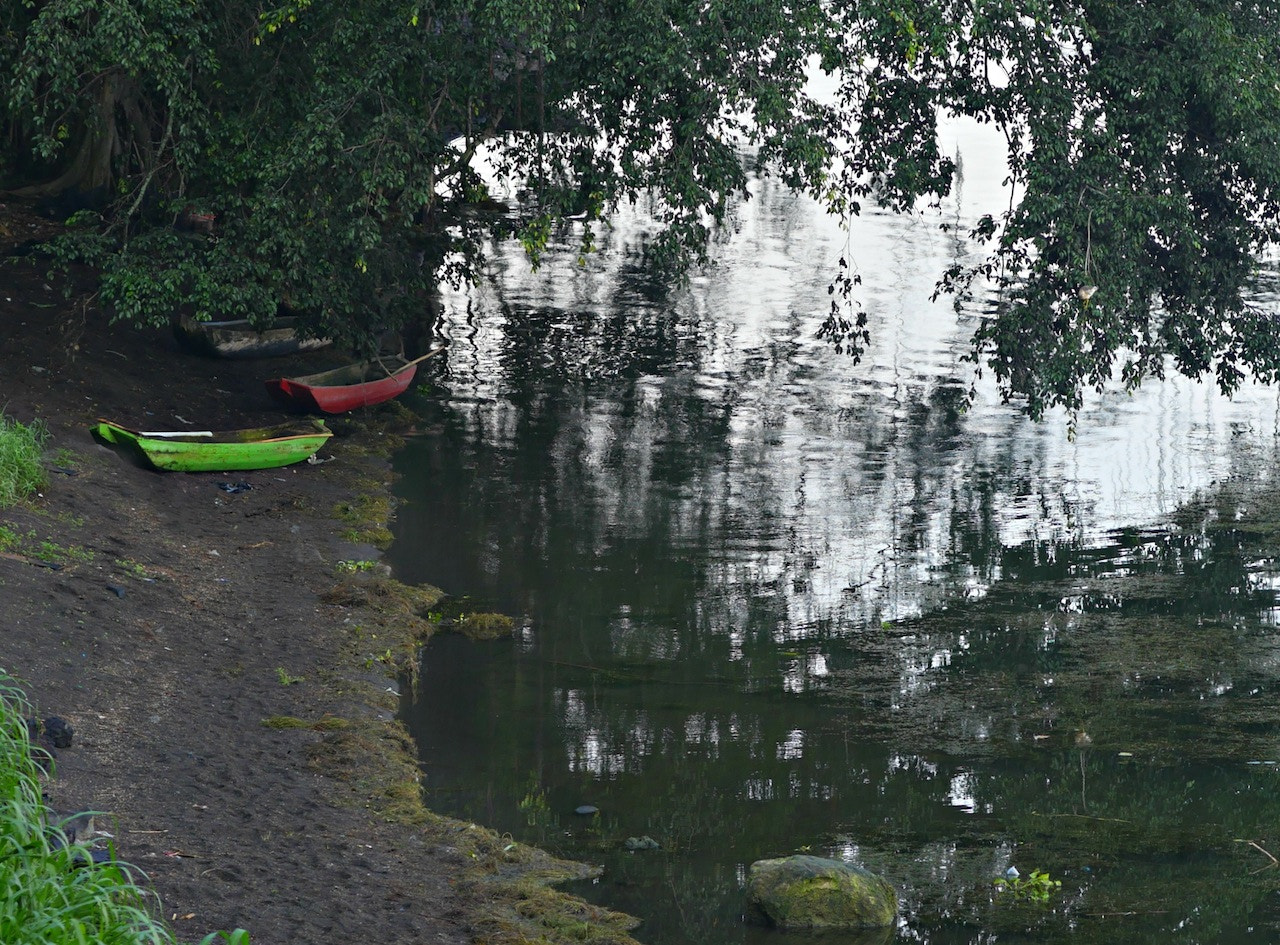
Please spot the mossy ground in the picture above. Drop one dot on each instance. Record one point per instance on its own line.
(367, 517)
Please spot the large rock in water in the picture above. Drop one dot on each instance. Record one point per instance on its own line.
(811, 892)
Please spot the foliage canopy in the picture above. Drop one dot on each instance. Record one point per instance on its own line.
(334, 143)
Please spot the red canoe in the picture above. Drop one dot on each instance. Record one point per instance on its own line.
(353, 385)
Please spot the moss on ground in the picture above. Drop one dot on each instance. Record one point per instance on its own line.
(368, 520)
(327, 723)
(374, 762)
(390, 620)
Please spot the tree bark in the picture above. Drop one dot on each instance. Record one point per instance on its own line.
(90, 170)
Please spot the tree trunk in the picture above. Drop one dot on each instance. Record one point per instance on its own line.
(90, 170)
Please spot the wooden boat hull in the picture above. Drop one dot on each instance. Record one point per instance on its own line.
(345, 388)
(183, 451)
(239, 339)
(353, 385)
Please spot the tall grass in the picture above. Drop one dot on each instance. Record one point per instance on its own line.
(49, 894)
(20, 449)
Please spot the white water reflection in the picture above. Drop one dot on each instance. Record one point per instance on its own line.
(716, 529)
(869, 472)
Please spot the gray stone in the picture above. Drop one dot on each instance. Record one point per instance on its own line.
(641, 843)
(812, 892)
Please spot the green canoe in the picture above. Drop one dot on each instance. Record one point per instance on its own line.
(208, 451)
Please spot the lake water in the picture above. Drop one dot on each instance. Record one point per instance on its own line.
(773, 601)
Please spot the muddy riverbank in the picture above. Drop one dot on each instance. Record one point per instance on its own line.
(230, 682)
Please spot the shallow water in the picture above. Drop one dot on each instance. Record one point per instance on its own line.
(771, 600)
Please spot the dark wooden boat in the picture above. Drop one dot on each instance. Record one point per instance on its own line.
(239, 339)
(353, 385)
(210, 451)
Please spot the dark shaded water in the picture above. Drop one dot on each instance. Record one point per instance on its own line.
(772, 601)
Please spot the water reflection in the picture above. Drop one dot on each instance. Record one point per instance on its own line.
(772, 600)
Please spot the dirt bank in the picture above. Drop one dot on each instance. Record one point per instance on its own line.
(222, 672)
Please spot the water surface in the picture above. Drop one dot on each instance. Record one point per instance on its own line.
(771, 600)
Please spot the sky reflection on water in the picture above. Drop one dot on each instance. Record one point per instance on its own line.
(771, 599)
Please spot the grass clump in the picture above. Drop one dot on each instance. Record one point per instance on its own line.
(485, 626)
(50, 892)
(20, 448)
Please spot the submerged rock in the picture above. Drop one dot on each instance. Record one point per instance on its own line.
(812, 892)
(586, 810)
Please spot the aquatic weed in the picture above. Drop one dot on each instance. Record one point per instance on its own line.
(1036, 887)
